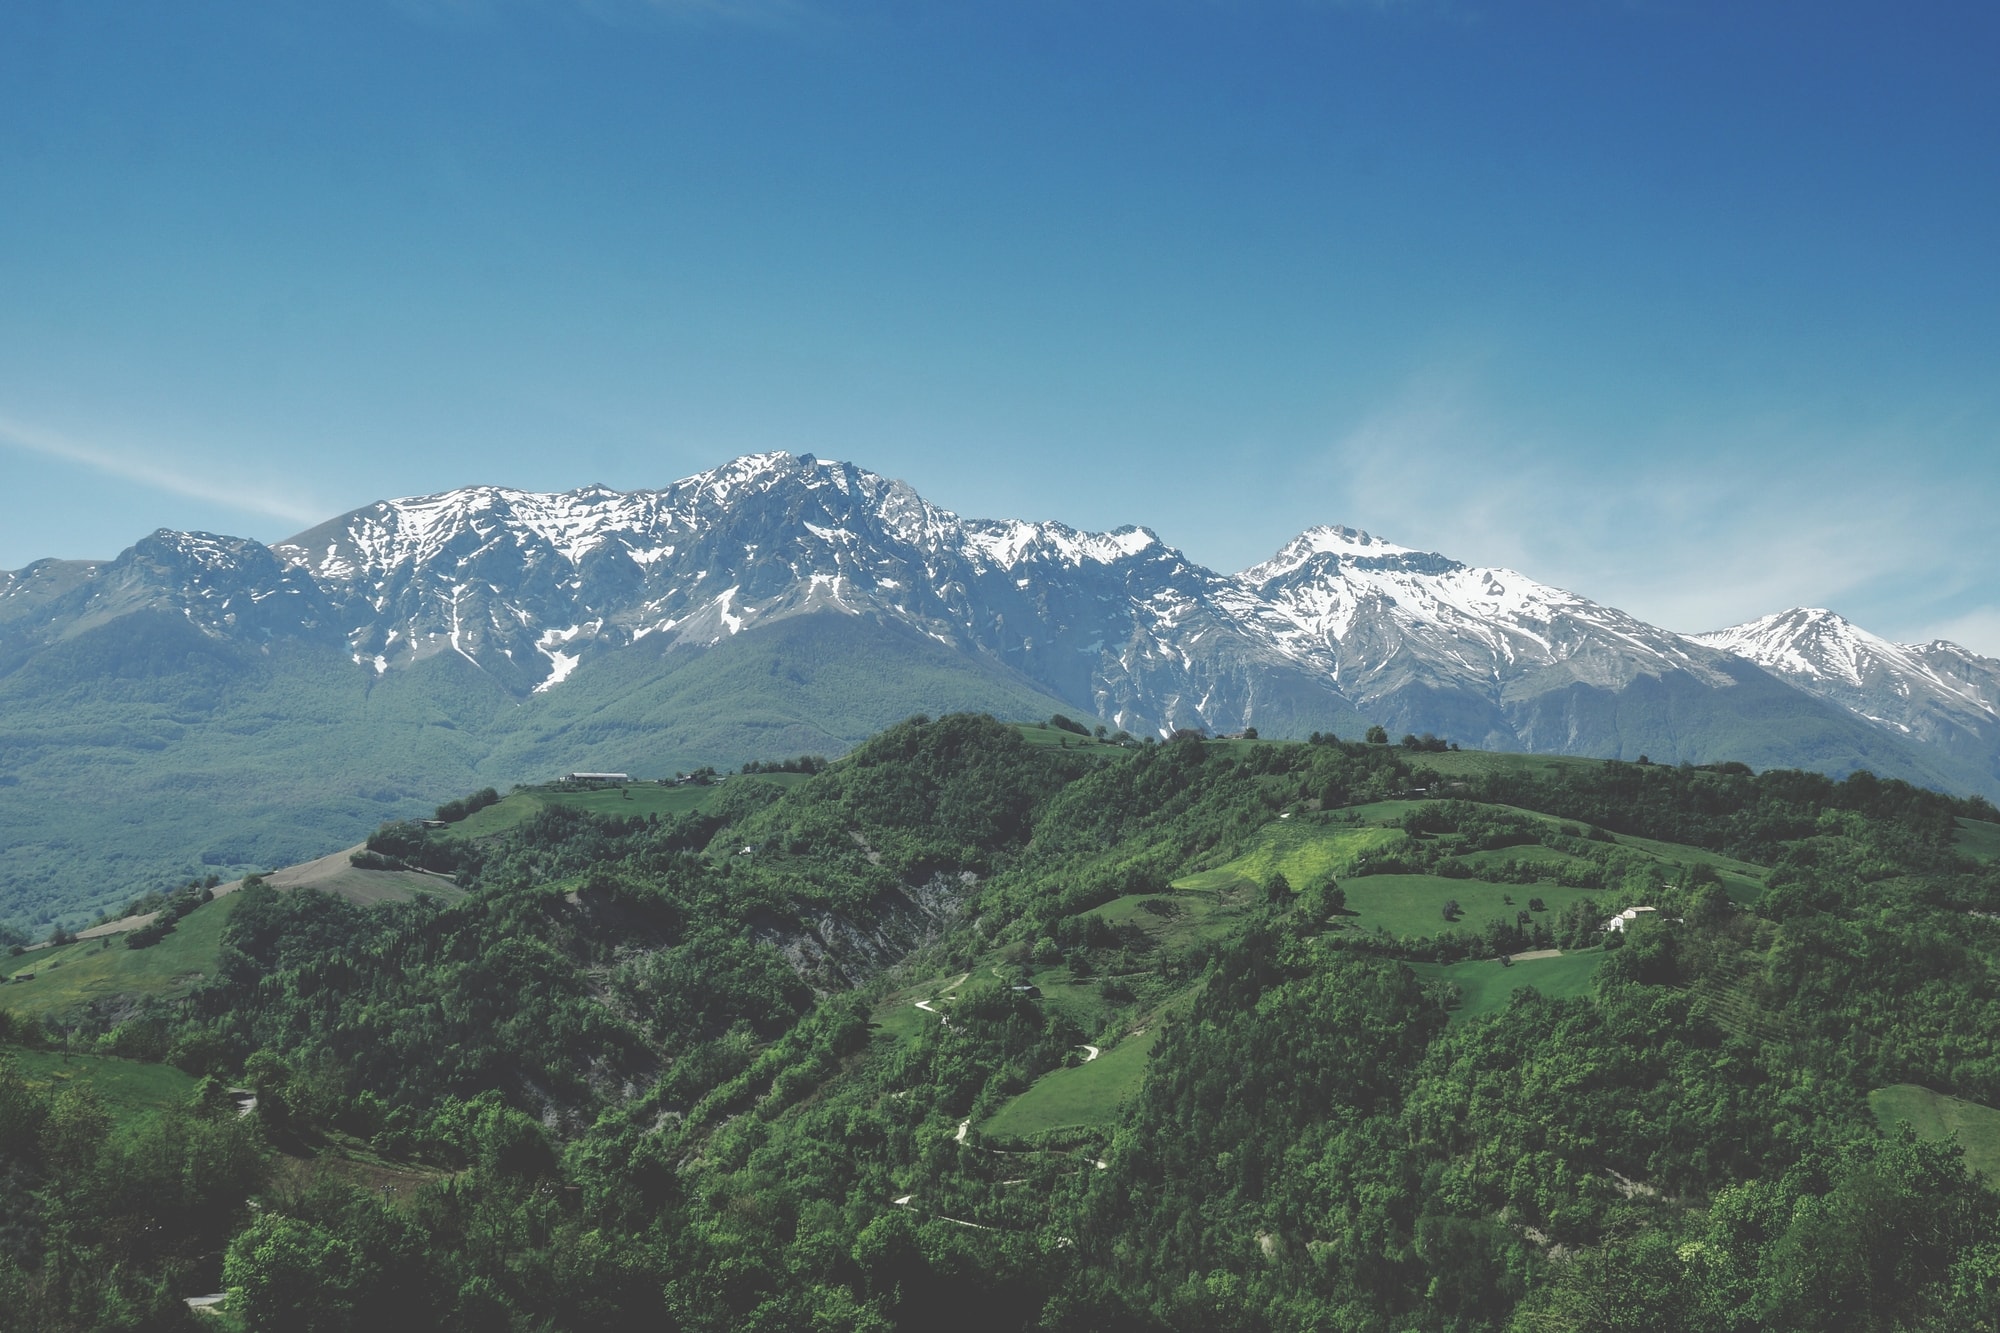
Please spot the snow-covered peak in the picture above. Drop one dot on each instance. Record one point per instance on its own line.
(1369, 602)
(1829, 654)
(1807, 641)
(1005, 543)
(200, 552)
(1337, 541)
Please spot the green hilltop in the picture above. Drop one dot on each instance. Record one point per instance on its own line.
(1016, 1020)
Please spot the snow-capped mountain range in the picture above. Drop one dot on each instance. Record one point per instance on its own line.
(1338, 627)
(529, 586)
(240, 704)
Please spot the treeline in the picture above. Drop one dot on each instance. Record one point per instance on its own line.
(453, 811)
(805, 763)
(1729, 809)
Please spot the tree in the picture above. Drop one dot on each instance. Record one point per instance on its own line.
(1278, 889)
(1451, 909)
(1378, 735)
(283, 1273)
(1249, 733)
(1322, 901)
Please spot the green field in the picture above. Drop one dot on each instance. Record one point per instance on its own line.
(98, 969)
(1308, 848)
(1413, 905)
(1937, 1116)
(129, 1089)
(1186, 914)
(1978, 839)
(1055, 738)
(1479, 763)
(637, 798)
(1305, 851)
(1530, 854)
(902, 1021)
(1083, 1095)
(1484, 985)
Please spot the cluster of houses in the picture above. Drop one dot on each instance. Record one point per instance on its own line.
(699, 778)
(1630, 914)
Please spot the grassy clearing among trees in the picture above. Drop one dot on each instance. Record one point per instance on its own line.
(1413, 905)
(1936, 1116)
(1978, 839)
(131, 1090)
(624, 801)
(99, 969)
(1484, 986)
(1083, 1096)
(1303, 852)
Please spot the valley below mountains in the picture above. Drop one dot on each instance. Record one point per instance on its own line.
(209, 702)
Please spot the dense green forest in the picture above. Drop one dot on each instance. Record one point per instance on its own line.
(989, 1026)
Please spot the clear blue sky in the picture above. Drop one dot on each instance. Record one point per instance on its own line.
(1691, 308)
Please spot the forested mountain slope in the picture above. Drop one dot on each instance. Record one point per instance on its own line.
(1004, 1027)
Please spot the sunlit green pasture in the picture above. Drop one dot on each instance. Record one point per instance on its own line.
(1413, 905)
(130, 1090)
(1303, 850)
(98, 969)
(1484, 984)
(1082, 1095)
(1936, 1115)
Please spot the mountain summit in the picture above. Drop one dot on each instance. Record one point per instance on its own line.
(1934, 692)
(1338, 624)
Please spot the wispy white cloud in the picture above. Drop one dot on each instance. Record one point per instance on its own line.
(1978, 630)
(1693, 528)
(235, 492)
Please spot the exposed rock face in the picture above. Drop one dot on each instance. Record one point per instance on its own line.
(834, 949)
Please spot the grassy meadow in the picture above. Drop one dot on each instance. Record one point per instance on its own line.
(1978, 839)
(625, 800)
(1484, 986)
(1413, 905)
(1934, 1115)
(130, 1090)
(73, 975)
(1081, 1096)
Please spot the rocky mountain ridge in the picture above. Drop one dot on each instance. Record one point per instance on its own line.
(1338, 627)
